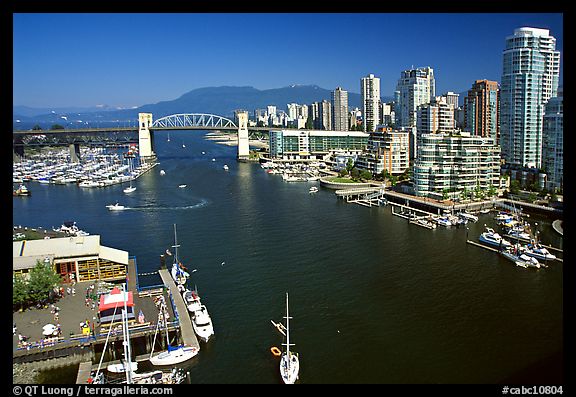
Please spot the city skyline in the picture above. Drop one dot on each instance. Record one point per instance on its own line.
(128, 60)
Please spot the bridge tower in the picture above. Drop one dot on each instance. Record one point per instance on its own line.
(243, 146)
(145, 137)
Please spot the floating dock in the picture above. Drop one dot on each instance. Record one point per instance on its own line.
(187, 332)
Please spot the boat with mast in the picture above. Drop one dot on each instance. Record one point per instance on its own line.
(178, 272)
(289, 361)
(173, 355)
(130, 188)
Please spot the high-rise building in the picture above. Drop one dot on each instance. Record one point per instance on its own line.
(481, 110)
(530, 73)
(387, 114)
(553, 143)
(340, 109)
(370, 89)
(387, 150)
(415, 87)
(325, 113)
(435, 117)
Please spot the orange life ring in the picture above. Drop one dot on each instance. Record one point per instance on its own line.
(275, 351)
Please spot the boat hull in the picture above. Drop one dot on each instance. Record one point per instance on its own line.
(175, 356)
(289, 368)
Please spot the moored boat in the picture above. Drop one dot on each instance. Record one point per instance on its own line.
(492, 238)
(202, 324)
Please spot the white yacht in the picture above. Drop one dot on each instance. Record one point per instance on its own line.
(192, 300)
(226, 167)
(492, 238)
(202, 324)
(538, 252)
(115, 207)
(521, 260)
(129, 189)
(444, 221)
(313, 189)
(467, 216)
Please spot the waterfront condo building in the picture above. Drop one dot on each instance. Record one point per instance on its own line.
(453, 163)
(340, 109)
(314, 144)
(370, 89)
(553, 143)
(481, 110)
(437, 116)
(530, 73)
(387, 150)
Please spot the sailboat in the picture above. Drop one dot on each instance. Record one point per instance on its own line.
(168, 140)
(289, 363)
(178, 273)
(131, 188)
(173, 355)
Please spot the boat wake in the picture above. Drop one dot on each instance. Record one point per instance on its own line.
(202, 203)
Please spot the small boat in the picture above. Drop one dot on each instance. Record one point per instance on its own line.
(492, 238)
(183, 145)
(313, 189)
(192, 300)
(485, 211)
(22, 191)
(467, 216)
(129, 189)
(444, 221)
(226, 167)
(520, 259)
(289, 362)
(518, 234)
(202, 324)
(213, 159)
(203, 152)
(162, 172)
(182, 186)
(538, 252)
(120, 368)
(115, 207)
(179, 273)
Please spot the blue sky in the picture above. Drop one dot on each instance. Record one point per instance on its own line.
(130, 60)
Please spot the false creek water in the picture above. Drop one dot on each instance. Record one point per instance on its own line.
(374, 299)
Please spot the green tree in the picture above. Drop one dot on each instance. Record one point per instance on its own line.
(491, 191)
(19, 291)
(42, 281)
(57, 127)
(36, 128)
(355, 174)
(349, 165)
(514, 187)
(365, 174)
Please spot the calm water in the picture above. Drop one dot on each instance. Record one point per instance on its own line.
(373, 298)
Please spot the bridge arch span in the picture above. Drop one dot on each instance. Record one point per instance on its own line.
(183, 120)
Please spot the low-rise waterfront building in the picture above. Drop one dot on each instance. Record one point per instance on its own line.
(314, 144)
(83, 256)
(448, 164)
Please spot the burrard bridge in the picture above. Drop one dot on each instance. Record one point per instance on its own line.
(143, 134)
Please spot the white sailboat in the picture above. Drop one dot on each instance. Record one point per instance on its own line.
(131, 188)
(173, 355)
(289, 362)
(178, 273)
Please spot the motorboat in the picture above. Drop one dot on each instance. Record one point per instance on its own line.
(443, 221)
(115, 207)
(202, 324)
(539, 252)
(520, 259)
(182, 186)
(129, 189)
(289, 361)
(162, 172)
(192, 300)
(22, 191)
(492, 238)
(518, 234)
(121, 368)
(313, 189)
(468, 217)
(226, 167)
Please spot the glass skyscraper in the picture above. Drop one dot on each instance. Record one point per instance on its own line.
(530, 73)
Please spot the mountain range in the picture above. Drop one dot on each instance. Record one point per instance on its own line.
(221, 101)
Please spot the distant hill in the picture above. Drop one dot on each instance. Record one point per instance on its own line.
(222, 101)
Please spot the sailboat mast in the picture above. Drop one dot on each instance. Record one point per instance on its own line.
(287, 332)
(127, 352)
(175, 246)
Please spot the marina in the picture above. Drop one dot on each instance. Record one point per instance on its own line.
(242, 245)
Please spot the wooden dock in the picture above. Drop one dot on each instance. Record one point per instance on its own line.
(186, 330)
(83, 373)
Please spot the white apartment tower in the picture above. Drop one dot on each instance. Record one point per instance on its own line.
(530, 73)
(370, 89)
(415, 87)
(553, 142)
(340, 109)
